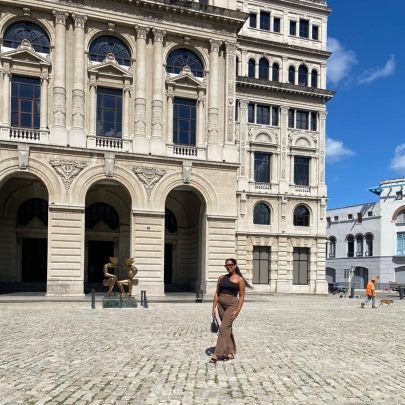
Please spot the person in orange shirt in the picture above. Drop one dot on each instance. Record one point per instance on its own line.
(370, 292)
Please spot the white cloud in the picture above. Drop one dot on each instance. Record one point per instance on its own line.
(398, 162)
(340, 62)
(370, 75)
(335, 150)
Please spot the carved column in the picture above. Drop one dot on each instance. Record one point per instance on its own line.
(92, 105)
(157, 143)
(243, 131)
(284, 70)
(43, 119)
(125, 113)
(213, 93)
(141, 144)
(283, 163)
(6, 93)
(200, 119)
(59, 83)
(78, 96)
(243, 70)
(170, 95)
(230, 92)
(322, 146)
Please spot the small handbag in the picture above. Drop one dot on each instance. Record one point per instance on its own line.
(214, 325)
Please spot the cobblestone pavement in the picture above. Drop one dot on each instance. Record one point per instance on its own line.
(291, 349)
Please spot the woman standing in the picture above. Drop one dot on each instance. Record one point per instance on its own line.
(228, 298)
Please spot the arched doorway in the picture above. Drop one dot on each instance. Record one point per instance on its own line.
(107, 221)
(23, 234)
(185, 225)
(360, 278)
(330, 275)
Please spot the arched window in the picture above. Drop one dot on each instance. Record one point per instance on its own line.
(350, 246)
(263, 69)
(303, 76)
(33, 208)
(276, 72)
(251, 68)
(314, 78)
(180, 58)
(102, 212)
(369, 244)
(301, 216)
(359, 245)
(26, 30)
(291, 75)
(332, 246)
(170, 221)
(107, 44)
(261, 214)
(401, 217)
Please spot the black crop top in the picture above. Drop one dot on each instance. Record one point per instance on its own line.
(226, 286)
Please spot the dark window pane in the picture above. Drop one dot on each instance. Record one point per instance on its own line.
(184, 121)
(304, 28)
(261, 214)
(25, 106)
(291, 75)
(303, 75)
(276, 25)
(261, 264)
(251, 113)
(276, 72)
(263, 69)
(253, 21)
(264, 20)
(293, 28)
(251, 68)
(180, 58)
(26, 30)
(109, 112)
(315, 32)
(274, 116)
(262, 167)
(263, 114)
(301, 171)
(301, 216)
(302, 119)
(314, 121)
(291, 123)
(107, 44)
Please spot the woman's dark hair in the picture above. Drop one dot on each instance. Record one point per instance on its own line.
(237, 270)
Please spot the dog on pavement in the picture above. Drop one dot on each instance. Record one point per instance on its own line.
(387, 302)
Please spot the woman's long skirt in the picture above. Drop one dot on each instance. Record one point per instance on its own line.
(226, 343)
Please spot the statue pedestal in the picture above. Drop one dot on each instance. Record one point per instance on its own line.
(120, 302)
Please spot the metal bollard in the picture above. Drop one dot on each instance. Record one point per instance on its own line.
(351, 292)
(401, 292)
(142, 297)
(145, 301)
(199, 296)
(93, 299)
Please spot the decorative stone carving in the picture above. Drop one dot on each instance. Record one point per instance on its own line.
(214, 45)
(110, 26)
(212, 125)
(187, 169)
(284, 111)
(78, 108)
(68, 170)
(23, 156)
(26, 11)
(140, 123)
(141, 31)
(60, 16)
(158, 35)
(79, 20)
(109, 163)
(157, 112)
(149, 176)
(59, 110)
(26, 44)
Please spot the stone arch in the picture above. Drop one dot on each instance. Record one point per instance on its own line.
(303, 142)
(396, 213)
(199, 51)
(268, 205)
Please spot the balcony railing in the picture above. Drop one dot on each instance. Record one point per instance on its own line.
(25, 134)
(109, 143)
(262, 186)
(185, 151)
(302, 189)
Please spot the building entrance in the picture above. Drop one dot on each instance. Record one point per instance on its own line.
(34, 260)
(99, 252)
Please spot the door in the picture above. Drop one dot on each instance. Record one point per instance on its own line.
(261, 264)
(168, 269)
(34, 260)
(98, 255)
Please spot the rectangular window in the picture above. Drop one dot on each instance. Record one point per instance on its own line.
(264, 21)
(251, 113)
(350, 247)
(261, 264)
(304, 28)
(262, 168)
(350, 216)
(276, 24)
(253, 20)
(302, 120)
(359, 217)
(25, 102)
(398, 195)
(109, 112)
(401, 244)
(184, 121)
(263, 114)
(293, 28)
(301, 266)
(301, 171)
(336, 218)
(315, 32)
(314, 121)
(274, 116)
(291, 119)
(328, 221)
(370, 213)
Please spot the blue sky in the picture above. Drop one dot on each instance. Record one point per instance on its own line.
(365, 132)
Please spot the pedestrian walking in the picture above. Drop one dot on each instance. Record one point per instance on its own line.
(228, 300)
(370, 293)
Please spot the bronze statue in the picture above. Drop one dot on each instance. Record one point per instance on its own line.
(112, 279)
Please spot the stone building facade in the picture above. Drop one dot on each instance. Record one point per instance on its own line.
(179, 133)
(368, 240)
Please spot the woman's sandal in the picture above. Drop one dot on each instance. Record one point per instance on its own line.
(213, 360)
(229, 357)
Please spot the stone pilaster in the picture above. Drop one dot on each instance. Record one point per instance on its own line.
(44, 100)
(243, 138)
(77, 136)
(284, 171)
(169, 118)
(157, 146)
(125, 118)
(322, 146)
(92, 105)
(140, 144)
(58, 131)
(6, 93)
(201, 119)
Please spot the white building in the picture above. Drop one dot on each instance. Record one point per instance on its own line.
(179, 133)
(369, 238)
